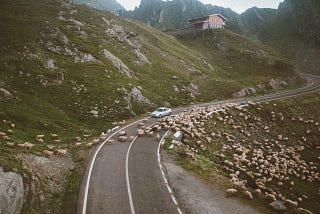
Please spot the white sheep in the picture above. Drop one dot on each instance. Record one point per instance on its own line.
(231, 192)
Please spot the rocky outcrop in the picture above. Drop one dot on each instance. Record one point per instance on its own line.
(123, 68)
(273, 84)
(5, 94)
(135, 95)
(11, 192)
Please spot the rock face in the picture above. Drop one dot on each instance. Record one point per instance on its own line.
(11, 192)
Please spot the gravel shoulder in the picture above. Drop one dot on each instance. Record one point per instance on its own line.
(198, 197)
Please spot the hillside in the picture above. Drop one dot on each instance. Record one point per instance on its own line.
(107, 5)
(69, 72)
(242, 59)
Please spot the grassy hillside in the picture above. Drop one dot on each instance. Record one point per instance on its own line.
(72, 71)
(240, 58)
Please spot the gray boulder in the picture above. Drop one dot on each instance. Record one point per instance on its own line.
(278, 205)
(11, 192)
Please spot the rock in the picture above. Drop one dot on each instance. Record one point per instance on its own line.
(11, 192)
(137, 95)
(88, 58)
(167, 104)
(5, 94)
(123, 68)
(245, 92)
(278, 205)
(142, 58)
(50, 64)
(276, 84)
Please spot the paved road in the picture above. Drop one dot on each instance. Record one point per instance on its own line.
(126, 177)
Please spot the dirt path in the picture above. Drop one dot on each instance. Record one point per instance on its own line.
(197, 197)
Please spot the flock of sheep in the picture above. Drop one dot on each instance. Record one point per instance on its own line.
(259, 161)
(48, 152)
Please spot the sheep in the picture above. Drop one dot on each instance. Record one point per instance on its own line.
(140, 132)
(122, 123)
(10, 144)
(140, 125)
(40, 136)
(40, 140)
(53, 136)
(122, 138)
(61, 151)
(28, 145)
(78, 144)
(304, 211)
(56, 141)
(88, 145)
(86, 136)
(149, 133)
(5, 137)
(158, 137)
(2, 134)
(110, 141)
(240, 185)
(10, 131)
(102, 138)
(21, 145)
(77, 139)
(231, 192)
(95, 141)
(130, 138)
(47, 153)
(258, 191)
(50, 147)
(290, 203)
(271, 197)
(248, 194)
(123, 132)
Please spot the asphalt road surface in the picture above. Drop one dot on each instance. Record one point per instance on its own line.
(126, 178)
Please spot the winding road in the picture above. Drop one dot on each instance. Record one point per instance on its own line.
(129, 178)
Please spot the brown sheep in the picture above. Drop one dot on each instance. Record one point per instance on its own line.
(47, 153)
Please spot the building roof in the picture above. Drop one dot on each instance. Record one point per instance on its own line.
(192, 20)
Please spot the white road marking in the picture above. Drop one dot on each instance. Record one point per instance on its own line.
(85, 200)
(127, 177)
(163, 174)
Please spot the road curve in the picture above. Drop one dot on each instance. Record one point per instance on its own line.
(126, 178)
